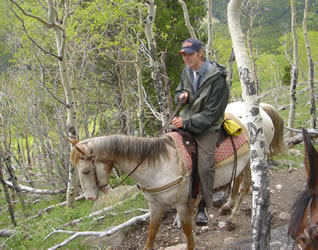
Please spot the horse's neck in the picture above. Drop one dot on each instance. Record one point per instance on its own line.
(138, 170)
(153, 173)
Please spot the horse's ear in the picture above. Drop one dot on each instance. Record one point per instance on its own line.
(311, 161)
(72, 141)
(80, 150)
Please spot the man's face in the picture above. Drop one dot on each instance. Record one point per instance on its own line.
(194, 60)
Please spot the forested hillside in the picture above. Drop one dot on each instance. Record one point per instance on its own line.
(87, 68)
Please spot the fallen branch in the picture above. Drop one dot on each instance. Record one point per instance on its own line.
(109, 232)
(96, 213)
(62, 204)
(7, 233)
(310, 131)
(298, 138)
(35, 190)
(142, 210)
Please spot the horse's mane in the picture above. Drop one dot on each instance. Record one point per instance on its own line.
(297, 212)
(134, 148)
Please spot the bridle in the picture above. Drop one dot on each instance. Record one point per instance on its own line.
(159, 189)
(93, 160)
(310, 235)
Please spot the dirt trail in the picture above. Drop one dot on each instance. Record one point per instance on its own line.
(285, 187)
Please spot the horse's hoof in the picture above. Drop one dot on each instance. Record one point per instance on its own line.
(230, 226)
(224, 211)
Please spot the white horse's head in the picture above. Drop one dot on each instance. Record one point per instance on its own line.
(94, 173)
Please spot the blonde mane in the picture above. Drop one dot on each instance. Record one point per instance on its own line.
(115, 147)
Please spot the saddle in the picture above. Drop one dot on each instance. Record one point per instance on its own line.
(190, 144)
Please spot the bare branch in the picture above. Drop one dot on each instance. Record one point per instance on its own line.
(31, 39)
(99, 212)
(43, 81)
(47, 24)
(35, 190)
(96, 233)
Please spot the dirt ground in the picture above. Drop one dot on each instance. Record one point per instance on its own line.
(285, 187)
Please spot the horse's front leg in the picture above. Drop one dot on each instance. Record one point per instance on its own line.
(156, 211)
(185, 213)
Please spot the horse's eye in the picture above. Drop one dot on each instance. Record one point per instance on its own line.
(85, 172)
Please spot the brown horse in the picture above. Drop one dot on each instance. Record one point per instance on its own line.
(303, 225)
(162, 173)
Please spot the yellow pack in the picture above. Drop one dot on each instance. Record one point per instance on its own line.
(231, 127)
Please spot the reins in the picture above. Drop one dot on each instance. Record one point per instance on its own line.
(234, 166)
(131, 172)
(179, 104)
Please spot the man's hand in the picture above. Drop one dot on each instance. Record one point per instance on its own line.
(177, 122)
(185, 97)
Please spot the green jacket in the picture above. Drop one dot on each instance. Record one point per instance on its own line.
(205, 108)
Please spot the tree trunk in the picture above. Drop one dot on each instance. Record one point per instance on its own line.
(6, 161)
(209, 46)
(186, 19)
(6, 193)
(72, 130)
(260, 179)
(311, 65)
(154, 63)
(229, 78)
(141, 114)
(251, 14)
(294, 70)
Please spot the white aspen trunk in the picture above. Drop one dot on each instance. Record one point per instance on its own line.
(209, 46)
(186, 19)
(260, 179)
(311, 71)
(251, 17)
(141, 114)
(72, 130)
(229, 78)
(154, 63)
(294, 70)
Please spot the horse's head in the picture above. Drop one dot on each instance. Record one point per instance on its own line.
(303, 226)
(94, 173)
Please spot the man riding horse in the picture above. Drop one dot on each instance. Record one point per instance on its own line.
(204, 89)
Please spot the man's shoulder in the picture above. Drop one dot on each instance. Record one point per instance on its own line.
(219, 68)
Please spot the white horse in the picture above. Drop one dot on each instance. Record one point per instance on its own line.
(163, 174)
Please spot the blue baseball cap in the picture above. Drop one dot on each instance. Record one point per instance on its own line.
(190, 46)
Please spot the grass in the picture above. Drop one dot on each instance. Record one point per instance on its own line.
(32, 232)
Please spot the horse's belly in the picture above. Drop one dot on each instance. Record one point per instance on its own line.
(223, 174)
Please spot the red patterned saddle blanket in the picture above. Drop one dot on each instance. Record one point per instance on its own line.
(223, 151)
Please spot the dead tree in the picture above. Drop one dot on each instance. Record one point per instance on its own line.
(311, 70)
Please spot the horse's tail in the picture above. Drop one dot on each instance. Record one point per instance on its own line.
(277, 145)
